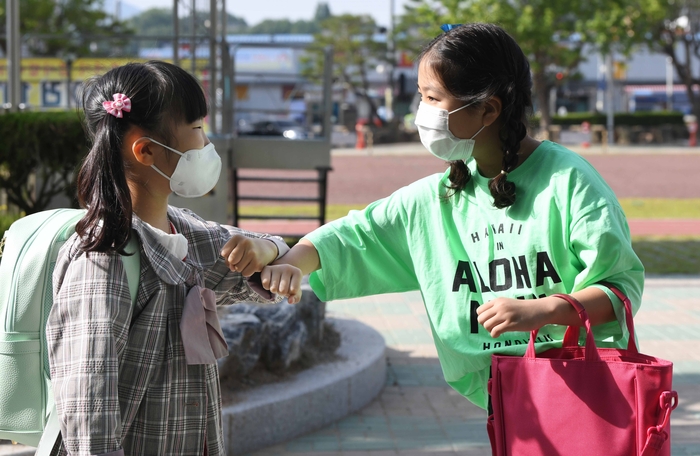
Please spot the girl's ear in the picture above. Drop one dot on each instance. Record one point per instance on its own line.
(141, 148)
(492, 110)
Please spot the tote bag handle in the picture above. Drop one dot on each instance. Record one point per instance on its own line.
(590, 348)
(572, 332)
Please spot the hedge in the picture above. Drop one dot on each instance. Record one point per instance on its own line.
(6, 220)
(48, 145)
(654, 118)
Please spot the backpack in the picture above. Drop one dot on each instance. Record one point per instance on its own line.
(31, 245)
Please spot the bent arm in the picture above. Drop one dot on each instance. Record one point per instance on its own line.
(303, 256)
(508, 314)
(596, 302)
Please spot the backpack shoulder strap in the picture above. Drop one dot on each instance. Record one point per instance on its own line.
(132, 265)
(51, 432)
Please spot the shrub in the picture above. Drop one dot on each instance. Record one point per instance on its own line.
(644, 119)
(45, 145)
(6, 220)
(651, 119)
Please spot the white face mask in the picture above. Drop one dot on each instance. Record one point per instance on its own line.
(196, 173)
(434, 131)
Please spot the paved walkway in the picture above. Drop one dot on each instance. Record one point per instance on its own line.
(418, 414)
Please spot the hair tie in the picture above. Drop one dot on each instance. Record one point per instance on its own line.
(504, 173)
(447, 27)
(121, 103)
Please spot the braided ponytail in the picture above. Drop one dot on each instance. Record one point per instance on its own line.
(459, 176)
(512, 132)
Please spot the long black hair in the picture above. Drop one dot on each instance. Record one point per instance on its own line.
(476, 62)
(162, 95)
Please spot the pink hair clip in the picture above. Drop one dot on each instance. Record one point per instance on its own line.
(121, 103)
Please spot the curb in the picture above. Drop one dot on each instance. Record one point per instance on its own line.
(314, 398)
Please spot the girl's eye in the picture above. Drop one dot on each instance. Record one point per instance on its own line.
(429, 98)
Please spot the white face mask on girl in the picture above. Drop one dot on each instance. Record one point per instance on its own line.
(434, 131)
(196, 173)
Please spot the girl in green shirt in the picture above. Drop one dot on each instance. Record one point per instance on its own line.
(512, 222)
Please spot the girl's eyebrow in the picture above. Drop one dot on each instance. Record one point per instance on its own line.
(432, 89)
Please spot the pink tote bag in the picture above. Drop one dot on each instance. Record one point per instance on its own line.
(577, 400)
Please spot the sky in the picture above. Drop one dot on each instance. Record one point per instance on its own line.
(256, 11)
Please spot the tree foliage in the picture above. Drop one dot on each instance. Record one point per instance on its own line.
(274, 26)
(671, 27)
(323, 11)
(551, 33)
(60, 28)
(355, 51)
(159, 22)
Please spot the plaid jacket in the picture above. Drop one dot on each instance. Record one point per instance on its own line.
(119, 375)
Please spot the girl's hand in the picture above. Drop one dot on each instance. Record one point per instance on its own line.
(506, 314)
(284, 280)
(248, 255)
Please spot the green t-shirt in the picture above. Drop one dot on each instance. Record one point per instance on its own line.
(565, 232)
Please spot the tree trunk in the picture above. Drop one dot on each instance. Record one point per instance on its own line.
(541, 88)
(685, 74)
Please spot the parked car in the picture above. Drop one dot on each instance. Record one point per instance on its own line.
(286, 128)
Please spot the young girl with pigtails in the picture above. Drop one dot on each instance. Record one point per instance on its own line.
(513, 221)
(142, 379)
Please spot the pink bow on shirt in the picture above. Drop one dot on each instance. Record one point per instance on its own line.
(201, 332)
(121, 103)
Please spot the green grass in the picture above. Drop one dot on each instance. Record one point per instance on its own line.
(668, 255)
(659, 208)
(333, 211)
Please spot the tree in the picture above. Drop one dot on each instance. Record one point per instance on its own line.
(354, 51)
(672, 28)
(61, 28)
(323, 12)
(551, 33)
